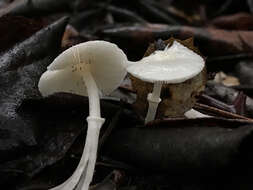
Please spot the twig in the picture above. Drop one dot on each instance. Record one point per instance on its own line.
(203, 98)
(223, 8)
(230, 57)
(153, 11)
(250, 4)
(127, 14)
(218, 112)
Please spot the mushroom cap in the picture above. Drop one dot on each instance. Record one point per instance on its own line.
(173, 65)
(105, 60)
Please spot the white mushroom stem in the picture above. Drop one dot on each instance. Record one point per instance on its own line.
(93, 95)
(90, 152)
(153, 100)
(95, 123)
(88, 159)
(195, 114)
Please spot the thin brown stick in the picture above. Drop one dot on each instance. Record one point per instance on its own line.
(218, 112)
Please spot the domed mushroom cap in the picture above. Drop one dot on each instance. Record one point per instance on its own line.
(175, 64)
(104, 60)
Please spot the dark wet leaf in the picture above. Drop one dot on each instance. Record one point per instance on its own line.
(14, 29)
(37, 7)
(56, 135)
(250, 4)
(80, 20)
(247, 89)
(110, 182)
(230, 42)
(227, 95)
(3, 3)
(155, 14)
(123, 14)
(185, 146)
(20, 69)
(213, 8)
(239, 21)
(41, 139)
(58, 119)
(244, 71)
(225, 5)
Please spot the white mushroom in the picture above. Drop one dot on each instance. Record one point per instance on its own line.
(192, 113)
(173, 65)
(86, 69)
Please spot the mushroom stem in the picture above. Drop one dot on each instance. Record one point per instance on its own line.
(95, 122)
(93, 95)
(85, 169)
(153, 100)
(90, 153)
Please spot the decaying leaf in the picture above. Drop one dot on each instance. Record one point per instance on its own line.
(239, 21)
(244, 71)
(227, 95)
(36, 7)
(14, 29)
(20, 69)
(59, 119)
(230, 42)
(185, 146)
(69, 34)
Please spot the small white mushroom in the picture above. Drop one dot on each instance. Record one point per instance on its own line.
(192, 113)
(86, 69)
(173, 65)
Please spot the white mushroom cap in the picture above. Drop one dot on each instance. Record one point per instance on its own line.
(105, 60)
(175, 64)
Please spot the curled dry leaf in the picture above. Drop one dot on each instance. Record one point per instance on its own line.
(176, 98)
(69, 34)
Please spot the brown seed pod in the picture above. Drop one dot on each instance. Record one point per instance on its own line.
(176, 98)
